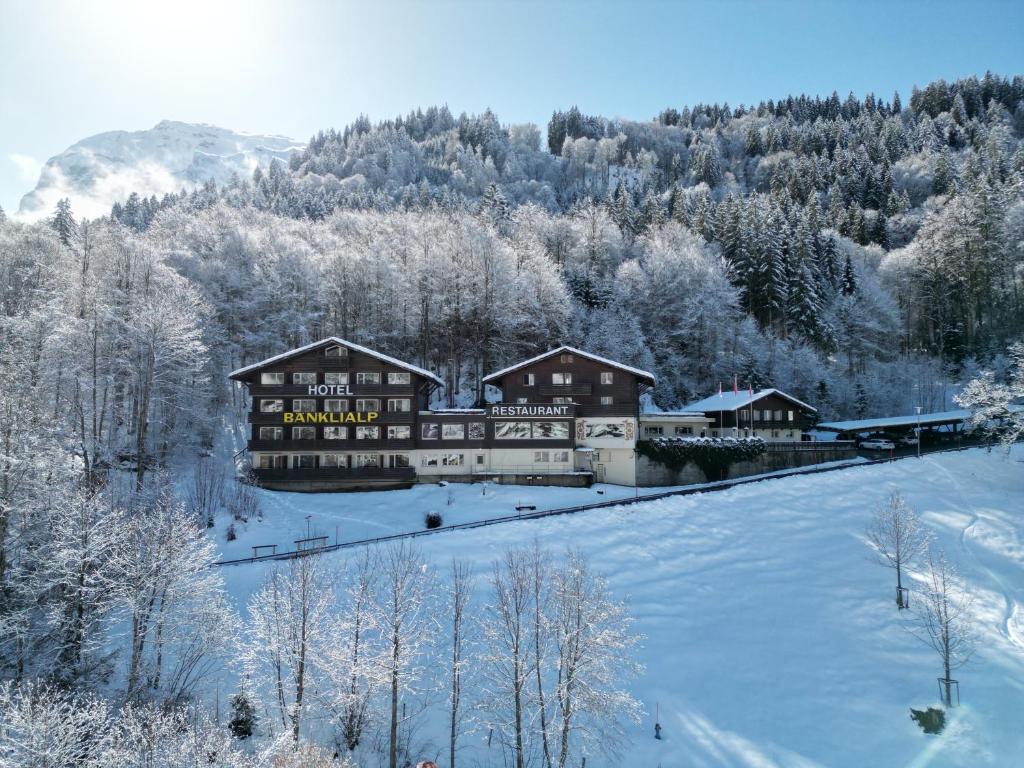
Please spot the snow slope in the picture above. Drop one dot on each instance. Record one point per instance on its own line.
(103, 169)
(771, 638)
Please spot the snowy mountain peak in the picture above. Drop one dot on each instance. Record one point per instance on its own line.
(103, 169)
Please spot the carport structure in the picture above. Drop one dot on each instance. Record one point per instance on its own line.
(952, 421)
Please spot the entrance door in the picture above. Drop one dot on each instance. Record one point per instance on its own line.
(599, 473)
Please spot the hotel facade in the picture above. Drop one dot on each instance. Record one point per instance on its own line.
(334, 415)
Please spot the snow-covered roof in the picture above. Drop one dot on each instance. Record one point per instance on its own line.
(731, 401)
(341, 342)
(449, 411)
(925, 419)
(571, 350)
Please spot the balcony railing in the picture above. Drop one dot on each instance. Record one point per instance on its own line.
(616, 409)
(565, 390)
(354, 474)
(358, 390)
(383, 417)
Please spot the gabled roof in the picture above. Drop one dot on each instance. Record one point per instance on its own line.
(729, 401)
(331, 340)
(571, 350)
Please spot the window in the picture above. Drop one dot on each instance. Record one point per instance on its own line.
(271, 378)
(403, 405)
(775, 433)
(529, 379)
(304, 461)
(511, 430)
(565, 358)
(790, 415)
(607, 377)
(430, 431)
(522, 400)
(334, 405)
(607, 400)
(304, 377)
(367, 433)
(370, 377)
(335, 433)
(550, 430)
(541, 457)
(778, 416)
(560, 456)
(396, 460)
(272, 461)
(271, 406)
(336, 378)
(366, 460)
(304, 405)
(271, 433)
(430, 460)
(400, 432)
(766, 416)
(398, 377)
(334, 460)
(565, 377)
(368, 406)
(453, 431)
(336, 351)
(452, 459)
(790, 433)
(303, 433)
(654, 430)
(684, 430)
(477, 430)
(561, 400)
(480, 459)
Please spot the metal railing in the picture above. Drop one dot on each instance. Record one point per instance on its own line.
(720, 485)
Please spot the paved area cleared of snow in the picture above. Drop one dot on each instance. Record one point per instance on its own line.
(771, 637)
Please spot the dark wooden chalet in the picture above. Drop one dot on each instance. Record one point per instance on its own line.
(334, 415)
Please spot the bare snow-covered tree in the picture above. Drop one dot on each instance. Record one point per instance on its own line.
(352, 661)
(509, 659)
(459, 591)
(898, 538)
(945, 617)
(44, 727)
(289, 628)
(595, 644)
(995, 407)
(207, 491)
(401, 619)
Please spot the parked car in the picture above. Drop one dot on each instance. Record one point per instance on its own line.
(908, 440)
(877, 445)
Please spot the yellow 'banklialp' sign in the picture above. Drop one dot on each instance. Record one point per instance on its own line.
(363, 417)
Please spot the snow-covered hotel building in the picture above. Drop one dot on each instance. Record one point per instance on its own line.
(334, 415)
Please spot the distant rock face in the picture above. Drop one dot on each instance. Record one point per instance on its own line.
(106, 168)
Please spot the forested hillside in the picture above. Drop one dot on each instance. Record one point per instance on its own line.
(863, 254)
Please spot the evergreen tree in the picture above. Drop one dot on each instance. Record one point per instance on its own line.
(849, 283)
(243, 717)
(63, 223)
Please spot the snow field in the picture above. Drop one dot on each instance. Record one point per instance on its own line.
(770, 636)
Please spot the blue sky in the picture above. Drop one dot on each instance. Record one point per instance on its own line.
(70, 69)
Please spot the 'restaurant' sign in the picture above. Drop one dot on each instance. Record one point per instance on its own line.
(360, 417)
(541, 409)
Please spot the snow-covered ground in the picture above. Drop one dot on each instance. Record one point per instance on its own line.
(771, 638)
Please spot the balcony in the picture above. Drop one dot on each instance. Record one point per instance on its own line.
(383, 417)
(565, 390)
(331, 446)
(358, 390)
(333, 474)
(616, 409)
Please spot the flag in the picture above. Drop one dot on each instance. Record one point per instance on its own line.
(719, 389)
(735, 386)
